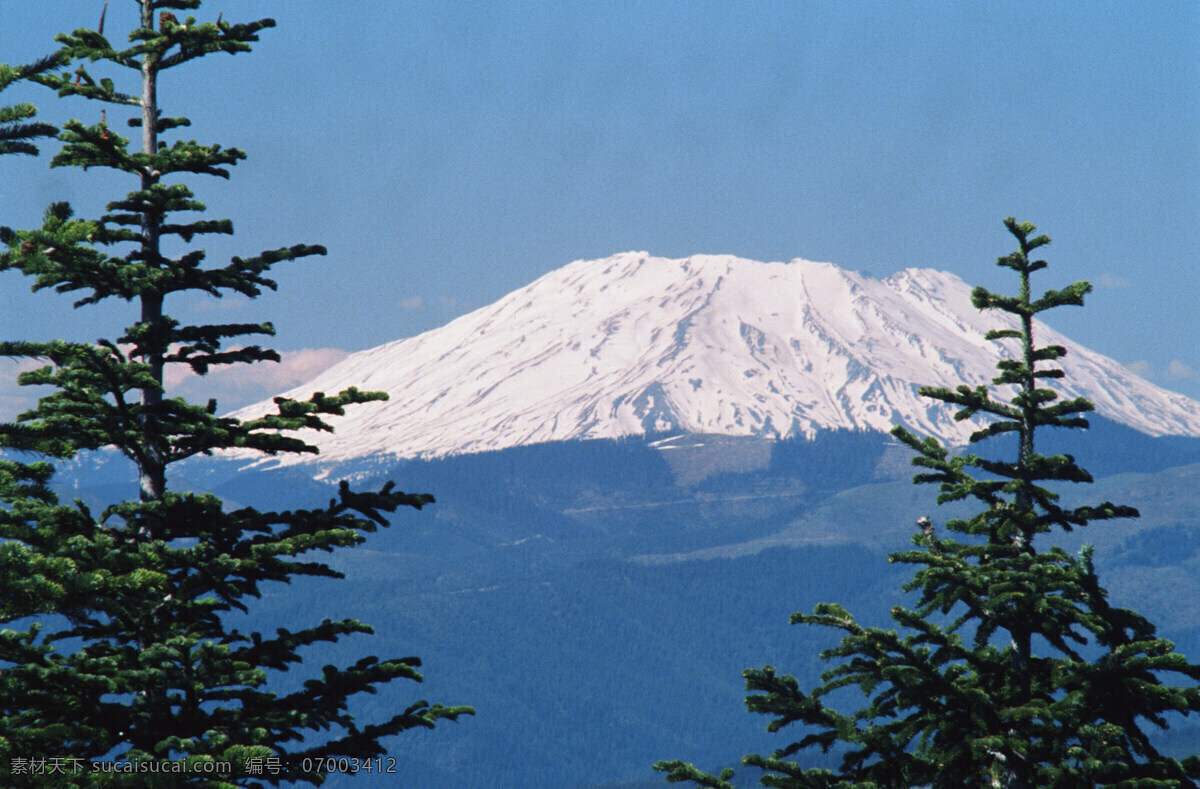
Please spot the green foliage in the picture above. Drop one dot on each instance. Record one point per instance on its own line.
(17, 127)
(116, 644)
(1013, 669)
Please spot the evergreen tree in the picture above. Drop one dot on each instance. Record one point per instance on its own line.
(1013, 670)
(116, 643)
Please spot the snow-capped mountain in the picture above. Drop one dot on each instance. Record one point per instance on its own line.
(709, 344)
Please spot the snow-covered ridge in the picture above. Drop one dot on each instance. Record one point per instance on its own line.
(708, 344)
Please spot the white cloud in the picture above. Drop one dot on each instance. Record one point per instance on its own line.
(15, 399)
(1180, 371)
(233, 386)
(412, 303)
(1176, 370)
(237, 385)
(1141, 367)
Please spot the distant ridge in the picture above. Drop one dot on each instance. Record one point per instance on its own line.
(635, 344)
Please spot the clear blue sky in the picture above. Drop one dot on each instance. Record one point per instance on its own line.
(447, 153)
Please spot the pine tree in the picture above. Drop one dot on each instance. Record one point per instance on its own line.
(1013, 669)
(116, 642)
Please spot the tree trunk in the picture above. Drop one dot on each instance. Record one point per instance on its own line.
(152, 470)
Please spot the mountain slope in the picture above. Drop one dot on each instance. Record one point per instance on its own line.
(635, 344)
(593, 610)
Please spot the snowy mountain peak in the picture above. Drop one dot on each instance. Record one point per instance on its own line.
(636, 344)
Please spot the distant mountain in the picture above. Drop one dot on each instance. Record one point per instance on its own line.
(595, 599)
(635, 344)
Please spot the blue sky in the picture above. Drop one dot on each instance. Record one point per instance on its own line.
(448, 153)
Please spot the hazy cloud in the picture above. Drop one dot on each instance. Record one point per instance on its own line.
(1180, 371)
(233, 386)
(237, 385)
(1141, 367)
(1175, 370)
(412, 303)
(1110, 282)
(13, 398)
